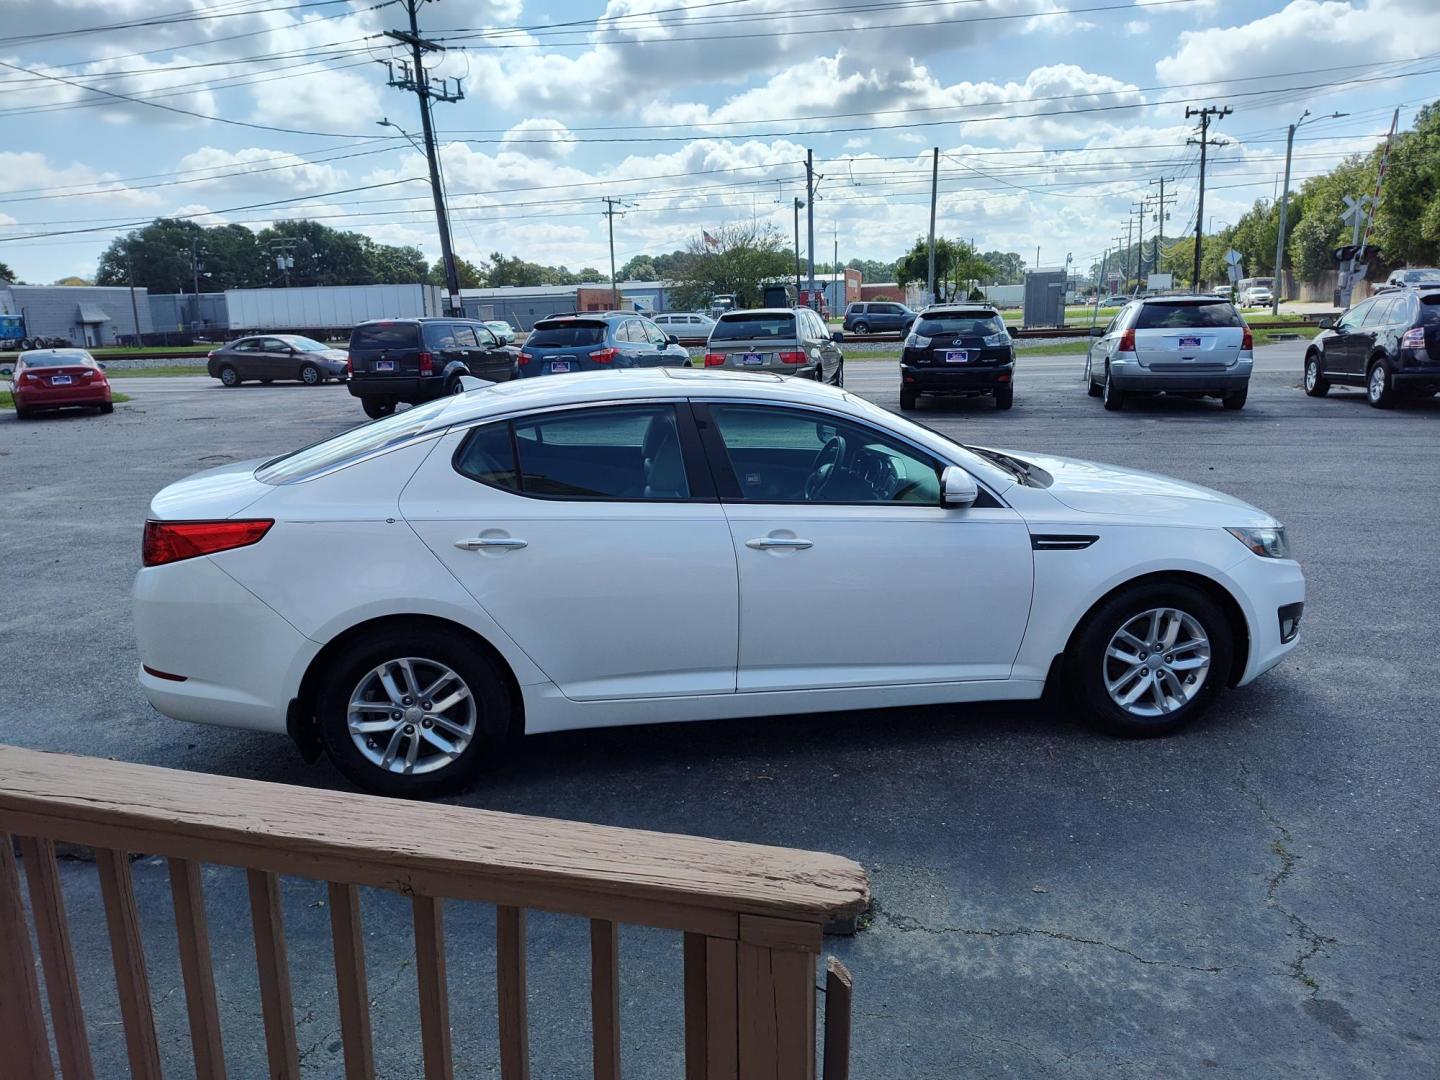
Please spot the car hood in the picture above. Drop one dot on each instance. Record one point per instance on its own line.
(216, 493)
(1116, 492)
(339, 355)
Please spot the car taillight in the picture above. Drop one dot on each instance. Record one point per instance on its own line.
(525, 358)
(1247, 342)
(349, 364)
(1413, 339)
(792, 358)
(605, 356)
(427, 364)
(714, 359)
(171, 541)
(1127, 341)
(210, 355)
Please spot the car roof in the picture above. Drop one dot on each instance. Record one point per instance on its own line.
(758, 311)
(400, 319)
(79, 354)
(1183, 298)
(959, 309)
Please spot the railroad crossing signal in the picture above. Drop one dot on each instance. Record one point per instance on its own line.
(1356, 208)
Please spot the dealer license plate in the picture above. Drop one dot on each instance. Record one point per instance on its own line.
(1189, 343)
(384, 365)
(60, 380)
(753, 359)
(559, 366)
(957, 356)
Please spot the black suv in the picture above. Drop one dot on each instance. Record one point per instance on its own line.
(958, 349)
(1389, 344)
(415, 360)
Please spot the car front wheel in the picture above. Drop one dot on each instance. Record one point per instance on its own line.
(413, 713)
(1151, 659)
(1316, 385)
(310, 375)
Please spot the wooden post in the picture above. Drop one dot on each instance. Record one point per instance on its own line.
(605, 998)
(273, 968)
(198, 970)
(52, 930)
(510, 979)
(434, 994)
(22, 1024)
(349, 939)
(696, 1007)
(132, 982)
(722, 1022)
(776, 994)
(839, 989)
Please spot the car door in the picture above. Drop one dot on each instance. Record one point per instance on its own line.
(1372, 333)
(850, 571)
(826, 349)
(592, 536)
(657, 345)
(493, 360)
(1342, 350)
(1102, 346)
(276, 360)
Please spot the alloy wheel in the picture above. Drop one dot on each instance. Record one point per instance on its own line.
(1156, 662)
(1376, 386)
(1312, 372)
(412, 716)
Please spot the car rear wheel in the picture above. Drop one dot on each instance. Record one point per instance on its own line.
(838, 379)
(1150, 659)
(229, 376)
(1235, 399)
(375, 408)
(1378, 388)
(107, 408)
(310, 375)
(413, 713)
(1113, 396)
(908, 399)
(1316, 385)
(22, 414)
(862, 327)
(1004, 397)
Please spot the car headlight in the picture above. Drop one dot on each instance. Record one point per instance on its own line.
(1268, 543)
(995, 340)
(915, 341)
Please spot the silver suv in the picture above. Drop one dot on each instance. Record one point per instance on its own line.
(787, 341)
(1194, 346)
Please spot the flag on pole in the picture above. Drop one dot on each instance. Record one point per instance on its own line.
(710, 241)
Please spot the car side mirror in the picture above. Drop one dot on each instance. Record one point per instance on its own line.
(100, 364)
(837, 335)
(6, 371)
(671, 339)
(1326, 322)
(1097, 331)
(957, 488)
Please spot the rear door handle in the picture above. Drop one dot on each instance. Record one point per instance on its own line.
(760, 543)
(476, 543)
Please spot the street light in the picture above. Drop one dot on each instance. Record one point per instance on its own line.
(1285, 202)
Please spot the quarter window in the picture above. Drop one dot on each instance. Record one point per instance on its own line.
(790, 456)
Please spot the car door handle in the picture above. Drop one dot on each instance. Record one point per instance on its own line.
(476, 543)
(760, 543)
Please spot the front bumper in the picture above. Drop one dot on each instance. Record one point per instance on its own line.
(956, 379)
(1130, 376)
(1263, 588)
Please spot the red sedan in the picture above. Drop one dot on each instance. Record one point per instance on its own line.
(59, 379)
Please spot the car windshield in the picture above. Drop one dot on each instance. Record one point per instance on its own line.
(1413, 277)
(746, 325)
(1188, 314)
(305, 344)
(559, 335)
(54, 359)
(959, 322)
(306, 463)
(385, 336)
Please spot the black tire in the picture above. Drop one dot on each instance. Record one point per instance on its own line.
(228, 376)
(22, 414)
(453, 387)
(1316, 385)
(375, 407)
(862, 327)
(1086, 662)
(310, 375)
(908, 399)
(839, 379)
(1111, 395)
(1379, 387)
(266, 382)
(107, 408)
(1235, 399)
(1091, 386)
(482, 676)
(26, 344)
(1004, 397)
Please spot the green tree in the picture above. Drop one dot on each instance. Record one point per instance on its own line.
(234, 259)
(158, 252)
(873, 270)
(470, 275)
(956, 265)
(6, 274)
(1178, 259)
(1407, 225)
(323, 256)
(1320, 229)
(640, 268)
(73, 280)
(387, 264)
(1008, 265)
(743, 259)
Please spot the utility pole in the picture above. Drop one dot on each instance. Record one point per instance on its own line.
(134, 307)
(934, 198)
(1138, 209)
(840, 296)
(415, 78)
(799, 203)
(1284, 207)
(281, 250)
(1129, 246)
(1205, 114)
(1161, 213)
(810, 221)
(195, 275)
(610, 204)
(1099, 285)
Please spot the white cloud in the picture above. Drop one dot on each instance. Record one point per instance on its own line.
(539, 138)
(254, 167)
(32, 173)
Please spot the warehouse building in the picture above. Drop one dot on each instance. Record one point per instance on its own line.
(522, 305)
(87, 315)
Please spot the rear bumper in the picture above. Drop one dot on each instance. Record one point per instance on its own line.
(956, 379)
(1413, 376)
(61, 398)
(410, 389)
(1130, 376)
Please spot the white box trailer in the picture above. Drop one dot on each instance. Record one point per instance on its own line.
(1004, 296)
(328, 307)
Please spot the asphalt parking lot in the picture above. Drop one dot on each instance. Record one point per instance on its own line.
(1256, 897)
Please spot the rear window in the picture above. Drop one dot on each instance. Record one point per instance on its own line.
(742, 325)
(1187, 315)
(1430, 310)
(356, 443)
(959, 322)
(60, 359)
(559, 335)
(385, 336)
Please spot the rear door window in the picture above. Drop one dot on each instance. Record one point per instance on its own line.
(385, 336)
(1381, 312)
(746, 326)
(1193, 314)
(560, 335)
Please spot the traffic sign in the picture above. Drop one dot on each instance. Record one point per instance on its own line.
(1233, 257)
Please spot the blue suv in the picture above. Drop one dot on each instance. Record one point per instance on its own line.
(878, 317)
(600, 342)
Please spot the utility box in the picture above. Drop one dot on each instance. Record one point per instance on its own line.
(1044, 297)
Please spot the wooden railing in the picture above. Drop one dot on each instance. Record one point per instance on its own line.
(751, 916)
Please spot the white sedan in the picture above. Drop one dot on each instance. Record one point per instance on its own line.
(658, 545)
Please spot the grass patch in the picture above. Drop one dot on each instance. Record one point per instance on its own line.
(149, 350)
(7, 399)
(154, 372)
(1267, 337)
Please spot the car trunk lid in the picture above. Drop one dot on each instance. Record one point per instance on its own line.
(381, 349)
(215, 494)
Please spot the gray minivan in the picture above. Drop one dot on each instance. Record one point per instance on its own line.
(792, 341)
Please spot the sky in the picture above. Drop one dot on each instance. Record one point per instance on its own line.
(1052, 118)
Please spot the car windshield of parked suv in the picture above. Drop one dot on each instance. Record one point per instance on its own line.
(1417, 277)
(59, 358)
(385, 336)
(1187, 314)
(560, 335)
(744, 325)
(959, 322)
(305, 344)
(310, 461)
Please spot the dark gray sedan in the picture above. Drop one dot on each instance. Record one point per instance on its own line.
(277, 356)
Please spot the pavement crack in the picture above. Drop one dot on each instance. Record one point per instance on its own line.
(1312, 942)
(906, 924)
